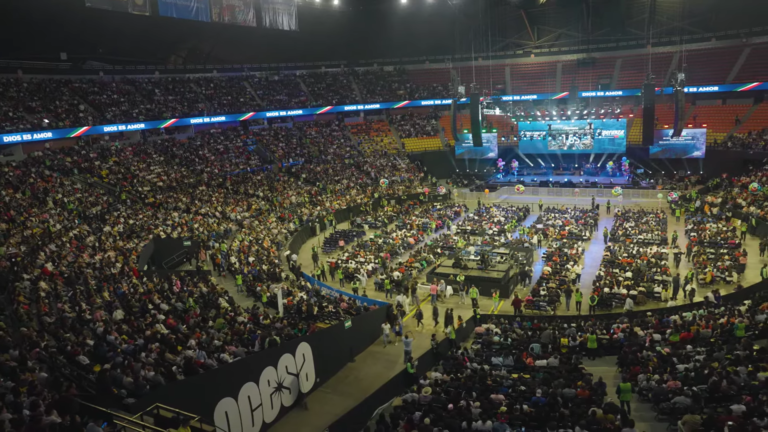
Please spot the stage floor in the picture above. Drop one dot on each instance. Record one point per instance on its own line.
(511, 179)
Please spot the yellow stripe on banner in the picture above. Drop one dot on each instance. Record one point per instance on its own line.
(413, 312)
(498, 308)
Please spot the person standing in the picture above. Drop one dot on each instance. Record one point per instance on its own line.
(579, 298)
(764, 272)
(743, 231)
(608, 207)
(624, 392)
(496, 300)
(410, 367)
(398, 330)
(763, 246)
(591, 345)
(541, 205)
(593, 202)
(433, 293)
(677, 214)
(385, 328)
(340, 275)
(592, 303)
(517, 304)
(239, 283)
(451, 333)
(568, 293)
(355, 287)
(414, 293)
(473, 293)
(387, 289)
(462, 288)
(675, 285)
(407, 346)
(435, 315)
(688, 251)
(606, 235)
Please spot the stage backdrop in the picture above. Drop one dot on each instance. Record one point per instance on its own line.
(254, 393)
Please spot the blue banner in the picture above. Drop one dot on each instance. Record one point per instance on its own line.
(198, 10)
(610, 93)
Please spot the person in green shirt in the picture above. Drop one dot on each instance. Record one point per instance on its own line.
(578, 297)
(410, 368)
(593, 303)
(591, 345)
(355, 287)
(340, 275)
(473, 293)
(239, 283)
(387, 289)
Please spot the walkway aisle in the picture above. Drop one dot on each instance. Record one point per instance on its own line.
(641, 411)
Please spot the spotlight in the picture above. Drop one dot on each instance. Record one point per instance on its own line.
(550, 179)
(535, 179)
(401, 1)
(553, 164)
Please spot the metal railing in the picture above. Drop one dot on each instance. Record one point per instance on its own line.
(161, 410)
(123, 422)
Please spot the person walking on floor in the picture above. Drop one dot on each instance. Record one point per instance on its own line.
(624, 392)
(407, 346)
(517, 304)
(436, 315)
(688, 251)
(419, 316)
(606, 235)
(568, 293)
(340, 275)
(578, 299)
(763, 246)
(541, 205)
(473, 293)
(608, 207)
(496, 300)
(675, 285)
(764, 272)
(743, 231)
(385, 329)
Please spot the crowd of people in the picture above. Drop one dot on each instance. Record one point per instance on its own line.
(395, 253)
(377, 84)
(74, 221)
(30, 104)
(698, 366)
(412, 125)
(753, 140)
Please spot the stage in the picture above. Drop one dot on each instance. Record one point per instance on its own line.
(577, 180)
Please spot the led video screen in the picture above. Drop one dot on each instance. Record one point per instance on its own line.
(573, 136)
(465, 149)
(691, 144)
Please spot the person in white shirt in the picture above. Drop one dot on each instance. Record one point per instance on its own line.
(629, 305)
(385, 328)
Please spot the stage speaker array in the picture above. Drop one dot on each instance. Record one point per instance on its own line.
(474, 117)
(649, 113)
(679, 96)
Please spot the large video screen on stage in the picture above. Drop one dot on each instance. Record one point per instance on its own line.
(573, 136)
(691, 144)
(465, 149)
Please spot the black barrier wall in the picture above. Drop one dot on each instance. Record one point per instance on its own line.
(356, 418)
(261, 388)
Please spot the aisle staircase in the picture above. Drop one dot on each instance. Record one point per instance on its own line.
(306, 90)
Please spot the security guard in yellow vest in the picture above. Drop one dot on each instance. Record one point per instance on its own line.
(624, 392)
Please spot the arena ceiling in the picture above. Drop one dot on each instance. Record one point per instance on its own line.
(355, 30)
